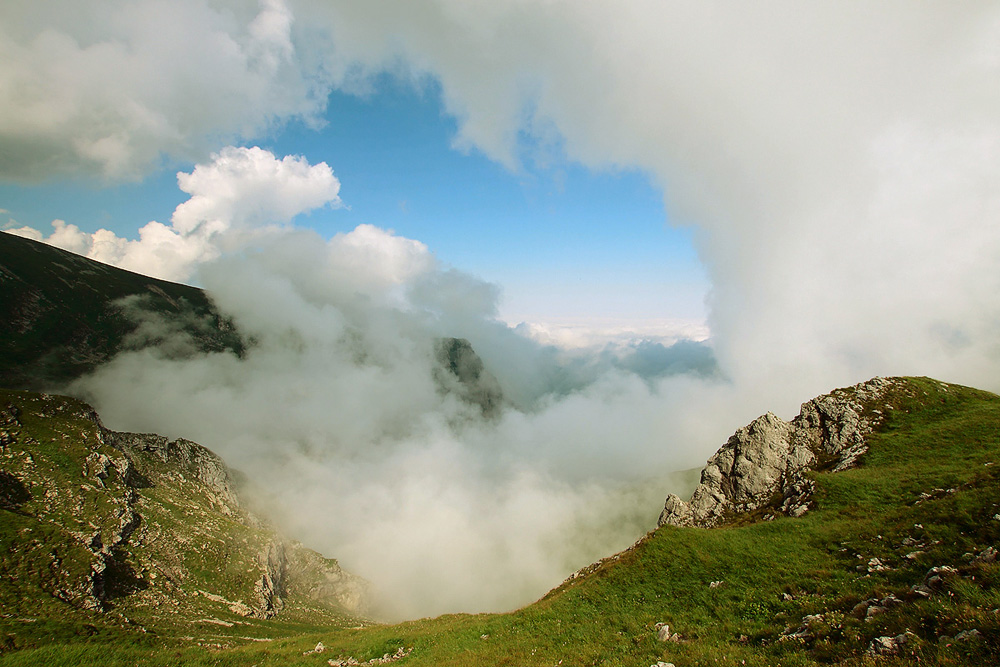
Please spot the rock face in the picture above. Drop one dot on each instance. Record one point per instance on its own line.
(766, 461)
(462, 372)
(188, 456)
(141, 525)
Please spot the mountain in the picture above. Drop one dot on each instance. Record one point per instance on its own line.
(64, 314)
(862, 532)
(104, 531)
(461, 371)
(890, 558)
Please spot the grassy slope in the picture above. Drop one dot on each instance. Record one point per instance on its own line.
(774, 574)
(187, 542)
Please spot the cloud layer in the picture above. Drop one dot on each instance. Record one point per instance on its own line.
(354, 447)
(840, 163)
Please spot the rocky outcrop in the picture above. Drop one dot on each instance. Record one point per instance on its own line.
(461, 371)
(317, 578)
(766, 462)
(137, 523)
(188, 456)
(270, 588)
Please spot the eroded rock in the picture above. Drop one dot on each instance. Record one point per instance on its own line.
(771, 456)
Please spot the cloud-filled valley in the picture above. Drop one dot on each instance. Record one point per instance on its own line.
(840, 167)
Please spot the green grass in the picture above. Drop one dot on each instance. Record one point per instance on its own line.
(774, 574)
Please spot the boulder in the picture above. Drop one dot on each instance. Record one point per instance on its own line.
(771, 456)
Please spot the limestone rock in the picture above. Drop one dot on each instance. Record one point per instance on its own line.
(205, 465)
(270, 588)
(771, 456)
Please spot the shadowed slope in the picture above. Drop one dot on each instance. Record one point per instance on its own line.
(64, 314)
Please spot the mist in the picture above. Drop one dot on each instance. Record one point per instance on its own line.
(353, 448)
(840, 167)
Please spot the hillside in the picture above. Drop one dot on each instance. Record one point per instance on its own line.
(105, 533)
(893, 563)
(64, 314)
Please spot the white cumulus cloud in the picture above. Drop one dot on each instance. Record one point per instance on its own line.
(240, 194)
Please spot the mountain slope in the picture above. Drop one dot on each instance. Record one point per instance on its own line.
(113, 531)
(64, 314)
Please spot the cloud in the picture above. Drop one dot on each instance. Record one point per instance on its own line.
(337, 414)
(112, 87)
(354, 447)
(241, 194)
(840, 164)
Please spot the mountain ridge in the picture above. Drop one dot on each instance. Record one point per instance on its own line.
(58, 326)
(771, 456)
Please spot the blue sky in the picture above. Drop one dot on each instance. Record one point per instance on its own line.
(564, 242)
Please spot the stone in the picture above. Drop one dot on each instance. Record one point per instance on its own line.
(771, 456)
(663, 633)
(968, 635)
(874, 610)
(889, 645)
(876, 565)
(936, 576)
(987, 555)
(319, 649)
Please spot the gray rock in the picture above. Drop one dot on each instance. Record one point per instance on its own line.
(874, 610)
(889, 645)
(663, 633)
(270, 588)
(771, 456)
(987, 555)
(205, 465)
(936, 576)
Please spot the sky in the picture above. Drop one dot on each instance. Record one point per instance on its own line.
(653, 220)
(570, 246)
